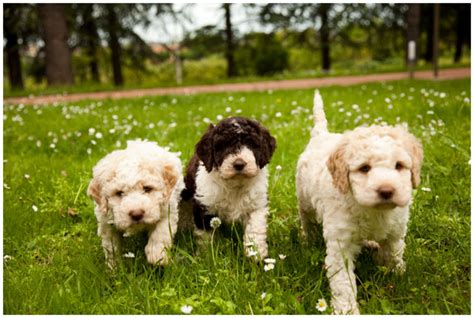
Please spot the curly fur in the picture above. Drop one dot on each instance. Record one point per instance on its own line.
(358, 185)
(137, 189)
(216, 187)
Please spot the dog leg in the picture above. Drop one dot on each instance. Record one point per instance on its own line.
(160, 241)
(110, 243)
(340, 271)
(391, 255)
(308, 223)
(255, 236)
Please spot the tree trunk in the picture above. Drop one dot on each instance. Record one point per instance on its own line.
(92, 41)
(229, 54)
(324, 35)
(13, 60)
(413, 29)
(428, 57)
(114, 45)
(462, 29)
(58, 54)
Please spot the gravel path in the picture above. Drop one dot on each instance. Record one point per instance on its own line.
(242, 87)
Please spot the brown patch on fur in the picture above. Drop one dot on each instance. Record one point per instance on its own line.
(93, 191)
(170, 177)
(338, 168)
(415, 149)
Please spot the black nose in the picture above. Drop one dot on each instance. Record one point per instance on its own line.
(239, 164)
(386, 192)
(136, 215)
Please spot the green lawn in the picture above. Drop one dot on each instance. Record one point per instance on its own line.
(54, 264)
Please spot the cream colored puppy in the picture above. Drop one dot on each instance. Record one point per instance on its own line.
(358, 185)
(137, 189)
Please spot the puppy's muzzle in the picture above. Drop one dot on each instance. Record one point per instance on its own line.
(239, 165)
(386, 192)
(136, 215)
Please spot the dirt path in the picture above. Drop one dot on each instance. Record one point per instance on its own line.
(242, 87)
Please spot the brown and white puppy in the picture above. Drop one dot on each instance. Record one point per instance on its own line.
(227, 178)
(358, 185)
(137, 189)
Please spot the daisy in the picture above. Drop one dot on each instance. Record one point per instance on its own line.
(322, 305)
(186, 309)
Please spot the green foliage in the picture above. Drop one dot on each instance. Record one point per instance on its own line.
(261, 54)
(54, 263)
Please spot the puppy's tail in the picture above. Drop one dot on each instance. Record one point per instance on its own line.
(319, 117)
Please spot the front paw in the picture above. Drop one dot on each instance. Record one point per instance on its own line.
(256, 251)
(156, 255)
(399, 268)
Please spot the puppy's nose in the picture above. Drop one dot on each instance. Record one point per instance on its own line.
(136, 215)
(386, 192)
(239, 164)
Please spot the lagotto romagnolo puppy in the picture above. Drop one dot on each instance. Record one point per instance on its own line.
(137, 189)
(227, 177)
(358, 185)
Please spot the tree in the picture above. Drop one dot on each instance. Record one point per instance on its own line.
(12, 47)
(324, 36)
(229, 53)
(55, 35)
(413, 26)
(113, 29)
(463, 29)
(89, 37)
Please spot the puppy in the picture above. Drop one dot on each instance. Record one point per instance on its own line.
(137, 189)
(358, 185)
(227, 177)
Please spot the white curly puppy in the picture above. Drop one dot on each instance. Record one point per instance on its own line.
(137, 189)
(358, 185)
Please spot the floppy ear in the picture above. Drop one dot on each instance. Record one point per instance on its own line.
(204, 148)
(415, 149)
(93, 191)
(268, 143)
(170, 177)
(338, 168)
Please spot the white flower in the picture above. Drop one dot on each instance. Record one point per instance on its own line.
(35, 208)
(206, 120)
(52, 146)
(6, 186)
(219, 117)
(89, 151)
(91, 131)
(252, 253)
(215, 222)
(282, 256)
(38, 143)
(238, 111)
(387, 100)
(278, 114)
(231, 98)
(426, 189)
(27, 176)
(278, 168)
(269, 260)
(6, 258)
(174, 101)
(322, 305)
(98, 135)
(186, 309)
(263, 295)
(268, 267)
(129, 255)
(442, 95)
(228, 109)
(249, 244)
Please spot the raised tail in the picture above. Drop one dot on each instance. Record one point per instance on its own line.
(319, 117)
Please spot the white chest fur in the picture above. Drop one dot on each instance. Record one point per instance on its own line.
(231, 199)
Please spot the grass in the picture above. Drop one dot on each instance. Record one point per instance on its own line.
(344, 68)
(55, 264)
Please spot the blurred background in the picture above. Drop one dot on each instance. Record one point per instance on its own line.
(92, 47)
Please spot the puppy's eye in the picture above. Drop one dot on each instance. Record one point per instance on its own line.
(119, 194)
(364, 169)
(147, 189)
(399, 166)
